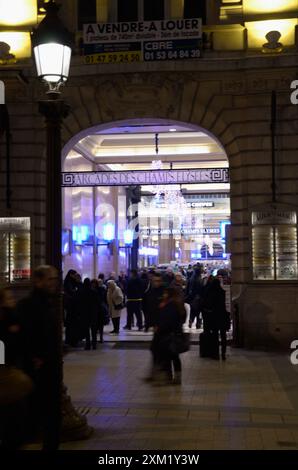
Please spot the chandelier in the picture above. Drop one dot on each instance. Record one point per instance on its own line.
(168, 196)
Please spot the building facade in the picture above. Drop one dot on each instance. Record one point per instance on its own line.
(227, 92)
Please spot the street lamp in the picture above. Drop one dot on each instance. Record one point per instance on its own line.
(51, 43)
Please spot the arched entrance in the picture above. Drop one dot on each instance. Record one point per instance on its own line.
(185, 227)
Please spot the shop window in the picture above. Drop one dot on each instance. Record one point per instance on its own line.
(15, 249)
(195, 9)
(274, 244)
(154, 10)
(127, 10)
(86, 12)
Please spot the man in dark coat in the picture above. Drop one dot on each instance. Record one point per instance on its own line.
(41, 321)
(134, 292)
(152, 298)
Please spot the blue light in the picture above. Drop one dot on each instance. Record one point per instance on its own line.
(75, 233)
(84, 232)
(222, 226)
(196, 256)
(128, 237)
(108, 232)
(80, 234)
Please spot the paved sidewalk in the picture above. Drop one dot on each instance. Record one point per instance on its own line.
(248, 402)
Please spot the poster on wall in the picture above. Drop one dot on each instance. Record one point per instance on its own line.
(274, 244)
(142, 41)
(286, 253)
(263, 253)
(15, 249)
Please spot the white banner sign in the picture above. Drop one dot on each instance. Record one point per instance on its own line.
(156, 177)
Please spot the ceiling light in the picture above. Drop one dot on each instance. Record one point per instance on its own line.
(172, 129)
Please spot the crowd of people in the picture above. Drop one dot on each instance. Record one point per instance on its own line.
(32, 332)
(146, 295)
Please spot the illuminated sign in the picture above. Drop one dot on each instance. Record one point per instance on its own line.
(223, 224)
(108, 232)
(80, 234)
(142, 41)
(192, 205)
(185, 231)
(14, 223)
(274, 217)
(128, 237)
(148, 251)
(149, 177)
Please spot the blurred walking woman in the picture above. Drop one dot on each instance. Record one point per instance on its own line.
(115, 303)
(171, 317)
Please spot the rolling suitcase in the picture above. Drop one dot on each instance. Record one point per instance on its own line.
(209, 345)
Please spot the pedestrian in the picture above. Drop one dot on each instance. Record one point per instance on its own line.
(15, 385)
(170, 321)
(100, 290)
(134, 292)
(194, 297)
(70, 287)
(41, 324)
(88, 304)
(115, 303)
(218, 322)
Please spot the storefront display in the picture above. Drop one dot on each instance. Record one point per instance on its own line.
(286, 251)
(274, 244)
(15, 249)
(262, 249)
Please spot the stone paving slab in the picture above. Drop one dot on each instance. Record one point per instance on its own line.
(249, 402)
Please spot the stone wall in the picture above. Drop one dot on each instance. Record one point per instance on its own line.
(230, 99)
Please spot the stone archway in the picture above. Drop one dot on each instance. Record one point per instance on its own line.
(235, 108)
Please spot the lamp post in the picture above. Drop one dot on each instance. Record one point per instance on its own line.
(51, 43)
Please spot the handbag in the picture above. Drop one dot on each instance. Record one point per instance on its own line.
(14, 385)
(119, 306)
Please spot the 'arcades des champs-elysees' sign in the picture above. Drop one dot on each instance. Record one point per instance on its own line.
(148, 177)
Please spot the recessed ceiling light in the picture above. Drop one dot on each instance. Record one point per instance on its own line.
(172, 129)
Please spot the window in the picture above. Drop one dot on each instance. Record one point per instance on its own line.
(274, 245)
(195, 9)
(86, 12)
(127, 10)
(154, 10)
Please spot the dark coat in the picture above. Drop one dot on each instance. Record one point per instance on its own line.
(135, 288)
(151, 302)
(214, 304)
(87, 307)
(41, 327)
(170, 319)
